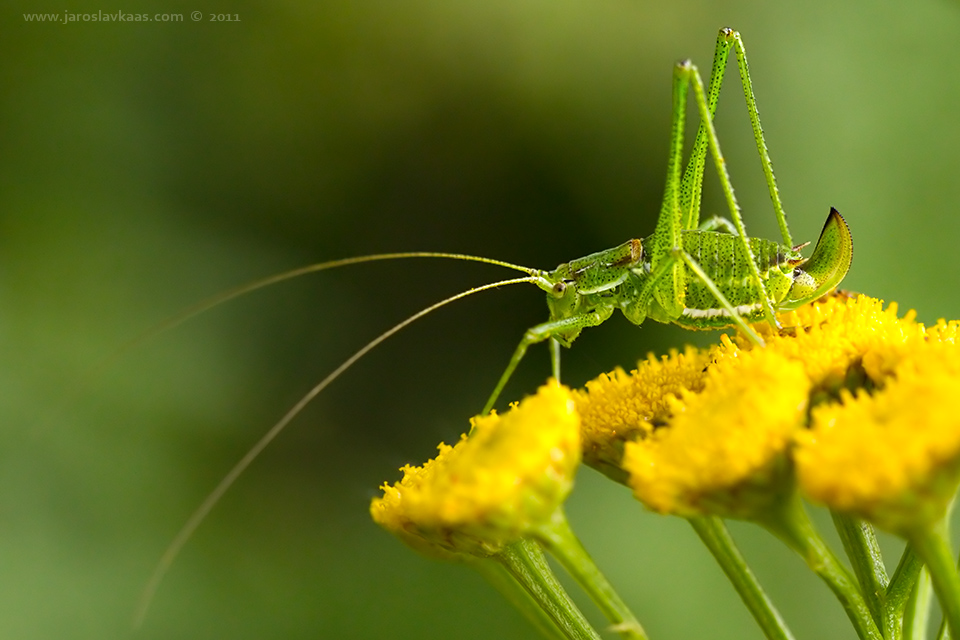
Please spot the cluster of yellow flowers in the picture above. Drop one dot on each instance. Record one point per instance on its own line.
(854, 403)
(846, 404)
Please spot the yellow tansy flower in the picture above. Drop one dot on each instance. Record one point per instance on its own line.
(509, 475)
(723, 451)
(835, 336)
(893, 456)
(618, 407)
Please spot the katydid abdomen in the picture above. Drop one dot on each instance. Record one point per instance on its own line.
(722, 260)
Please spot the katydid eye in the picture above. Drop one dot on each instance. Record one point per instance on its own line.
(559, 288)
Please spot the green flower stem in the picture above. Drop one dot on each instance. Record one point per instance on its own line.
(525, 562)
(715, 536)
(498, 576)
(931, 544)
(903, 593)
(916, 613)
(860, 543)
(562, 542)
(792, 525)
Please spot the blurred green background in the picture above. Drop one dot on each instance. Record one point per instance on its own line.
(146, 166)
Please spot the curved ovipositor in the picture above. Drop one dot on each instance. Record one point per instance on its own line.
(826, 267)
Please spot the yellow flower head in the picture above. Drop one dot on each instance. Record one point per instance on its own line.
(723, 452)
(884, 437)
(618, 407)
(891, 456)
(837, 337)
(509, 475)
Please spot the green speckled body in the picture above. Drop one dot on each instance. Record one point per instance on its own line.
(719, 256)
(586, 291)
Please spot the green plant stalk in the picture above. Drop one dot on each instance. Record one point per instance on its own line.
(504, 582)
(524, 561)
(902, 592)
(716, 537)
(916, 613)
(560, 540)
(943, 633)
(933, 547)
(792, 525)
(860, 544)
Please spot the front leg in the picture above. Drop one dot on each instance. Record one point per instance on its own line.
(552, 329)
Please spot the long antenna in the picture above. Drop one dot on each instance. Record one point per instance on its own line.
(236, 292)
(201, 512)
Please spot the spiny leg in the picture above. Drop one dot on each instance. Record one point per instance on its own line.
(691, 187)
(542, 332)
(669, 286)
(758, 132)
(693, 76)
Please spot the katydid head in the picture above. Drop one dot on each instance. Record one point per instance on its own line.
(585, 286)
(595, 273)
(828, 265)
(570, 283)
